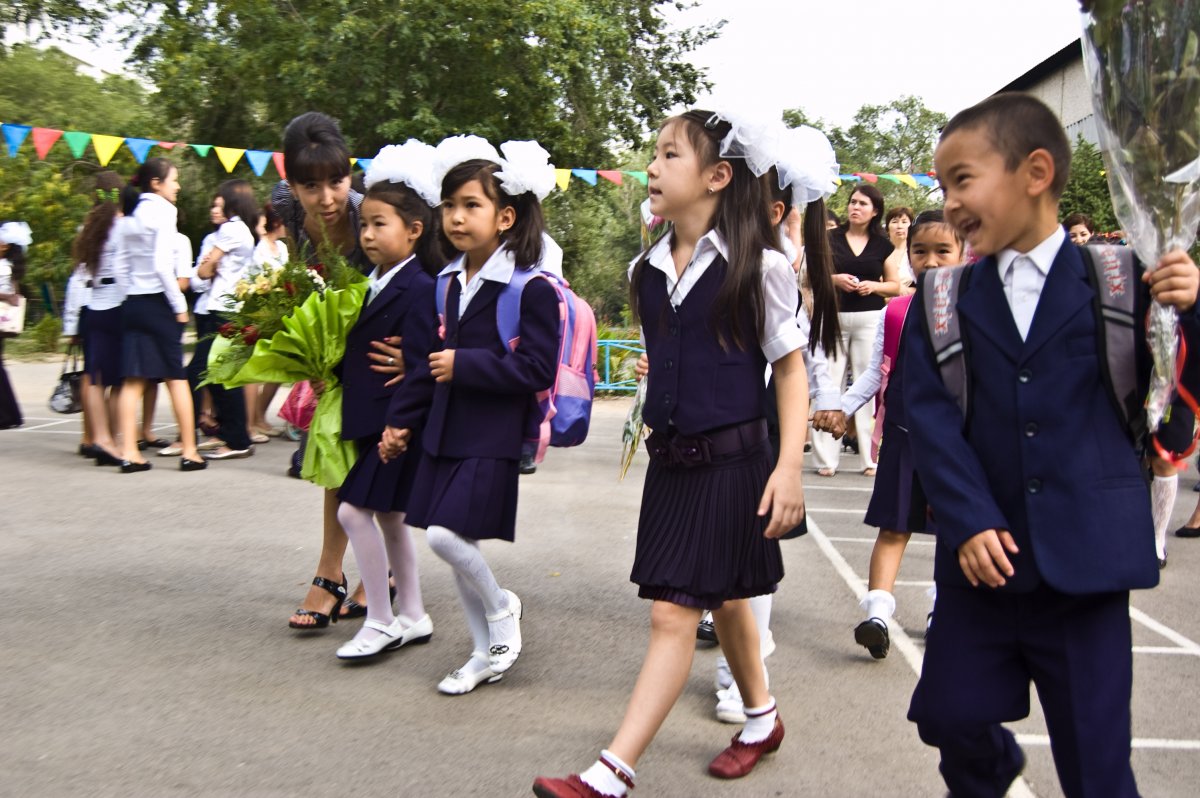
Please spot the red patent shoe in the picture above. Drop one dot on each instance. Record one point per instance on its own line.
(740, 758)
(570, 787)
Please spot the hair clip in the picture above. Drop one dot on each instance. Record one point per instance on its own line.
(712, 122)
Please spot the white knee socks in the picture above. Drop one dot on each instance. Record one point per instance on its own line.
(1162, 500)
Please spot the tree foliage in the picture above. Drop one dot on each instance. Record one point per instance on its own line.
(1087, 188)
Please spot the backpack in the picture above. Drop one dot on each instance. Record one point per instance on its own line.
(1110, 270)
(565, 410)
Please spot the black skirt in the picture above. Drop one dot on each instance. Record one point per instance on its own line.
(898, 503)
(152, 340)
(102, 349)
(475, 497)
(375, 485)
(700, 539)
(10, 411)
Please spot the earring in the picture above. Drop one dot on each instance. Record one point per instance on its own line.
(710, 190)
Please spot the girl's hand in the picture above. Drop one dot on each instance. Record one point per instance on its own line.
(441, 365)
(642, 367)
(784, 500)
(846, 282)
(1174, 281)
(394, 443)
(318, 387)
(867, 287)
(831, 421)
(388, 359)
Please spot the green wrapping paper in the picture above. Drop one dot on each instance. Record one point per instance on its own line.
(311, 343)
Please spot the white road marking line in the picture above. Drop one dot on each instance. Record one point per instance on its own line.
(900, 639)
(872, 540)
(1164, 650)
(1175, 637)
(48, 424)
(809, 485)
(835, 510)
(1138, 742)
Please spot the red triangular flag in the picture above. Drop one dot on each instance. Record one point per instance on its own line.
(168, 145)
(43, 140)
(610, 175)
(277, 158)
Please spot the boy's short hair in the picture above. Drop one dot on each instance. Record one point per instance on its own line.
(1017, 124)
(1079, 218)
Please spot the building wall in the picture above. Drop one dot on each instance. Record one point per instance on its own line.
(1067, 93)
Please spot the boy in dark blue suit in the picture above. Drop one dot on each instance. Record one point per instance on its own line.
(1042, 510)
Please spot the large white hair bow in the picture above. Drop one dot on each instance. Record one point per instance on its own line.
(410, 163)
(16, 233)
(526, 167)
(806, 163)
(459, 149)
(753, 139)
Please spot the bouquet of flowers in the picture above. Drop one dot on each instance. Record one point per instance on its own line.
(634, 430)
(1143, 62)
(290, 327)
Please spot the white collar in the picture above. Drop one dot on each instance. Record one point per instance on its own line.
(378, 282)
(1042, 255)
(659, 255)
(498, 268)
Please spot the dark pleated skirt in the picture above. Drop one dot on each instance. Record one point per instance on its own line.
(700, 540)
(898, 503)
(475, 497)
(10, 411)
(102, 349)
(1175, 432)
(375, 485)
(152, 340)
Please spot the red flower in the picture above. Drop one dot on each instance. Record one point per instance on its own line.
(290, 288)
(227, 330)
(319, 268)
(250, 334)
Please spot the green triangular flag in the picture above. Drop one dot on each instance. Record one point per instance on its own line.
(641, 177)
(77, 141)
(202, 149)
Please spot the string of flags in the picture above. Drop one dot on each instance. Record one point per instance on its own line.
(105, 147)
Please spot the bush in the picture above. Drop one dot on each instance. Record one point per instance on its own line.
(46, 333)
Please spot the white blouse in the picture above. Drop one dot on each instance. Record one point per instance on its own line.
(266, 255)
(6, 280)
(146, 250)
(235, 240)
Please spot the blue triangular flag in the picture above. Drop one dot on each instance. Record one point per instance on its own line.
(258, 160)
(365, 163)
(925, 180)
(140, 148)
(14, 137)
(586, 175)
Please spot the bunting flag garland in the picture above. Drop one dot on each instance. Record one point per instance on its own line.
(43, 140)
(258, 160)
(228, 156)
(140, 148)
(106, 147)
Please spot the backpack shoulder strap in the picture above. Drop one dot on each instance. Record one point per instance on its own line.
(508, 305)
(1111, 271)
(939, 302)
(441, 293)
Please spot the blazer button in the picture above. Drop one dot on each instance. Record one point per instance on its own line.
(1024, 376)
(666, 398)
(1031, 429)
(674, 330)
(668, 364)
(1034, 485)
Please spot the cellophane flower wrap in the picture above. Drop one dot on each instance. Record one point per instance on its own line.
(1143, 61)
(300, 340)
(634, 430)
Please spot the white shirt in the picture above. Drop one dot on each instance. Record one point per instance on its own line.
(1024, 275)
(199, 286)
(184, 268)
(866, 385)
(146, 251)
(552, 256)
(235, 240)
(781, 334)
(76, 299)
(376, 282)
(499, 268)
(266, 255)
(111, 282)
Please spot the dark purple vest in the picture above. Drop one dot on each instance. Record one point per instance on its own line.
(695, 385)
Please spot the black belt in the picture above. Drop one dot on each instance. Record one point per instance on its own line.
(672, 448)
(102, 281)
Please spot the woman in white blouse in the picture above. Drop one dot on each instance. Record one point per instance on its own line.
(14, 238)
(154, 312)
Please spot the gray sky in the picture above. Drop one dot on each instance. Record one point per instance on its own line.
(833, 56)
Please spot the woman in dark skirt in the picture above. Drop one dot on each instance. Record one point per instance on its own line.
(897, 506)
(154, 312)
(400, 234)
(717, 302)
(14, 238)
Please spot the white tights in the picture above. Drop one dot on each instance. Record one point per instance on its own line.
(478, 590)
(374, 553)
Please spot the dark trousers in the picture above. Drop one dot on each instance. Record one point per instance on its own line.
(230, 403)
(10, 411)
(981, 653)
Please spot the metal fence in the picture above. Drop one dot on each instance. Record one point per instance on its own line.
(611, 352)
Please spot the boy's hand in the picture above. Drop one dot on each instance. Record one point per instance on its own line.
(784, 499)
(1174, 281)
(983, 558)
(441, 365)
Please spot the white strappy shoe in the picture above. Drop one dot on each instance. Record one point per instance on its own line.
(503, 653)
(462, 681)
(365, 649)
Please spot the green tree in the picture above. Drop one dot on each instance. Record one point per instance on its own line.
(57, 15)
(1087, 188)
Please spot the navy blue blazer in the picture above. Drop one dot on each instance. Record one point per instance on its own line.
(1045, 454)
(482, 411)
(404, 307)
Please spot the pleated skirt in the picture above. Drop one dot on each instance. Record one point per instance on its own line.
(898, 503)
(375, 485)
(475, 497)
(102, 348)
(700, 540)
(152, 340)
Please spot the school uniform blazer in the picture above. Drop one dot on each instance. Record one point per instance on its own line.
(404, 307)
(482, 411)
(1044, 454)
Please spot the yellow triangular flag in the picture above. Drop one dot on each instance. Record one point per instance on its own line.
(229, 156)
(563, 178)
(106, 147)
(908, 181)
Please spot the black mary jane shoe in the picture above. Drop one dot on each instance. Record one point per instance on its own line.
(192, 465)
(321, 620)
(156, 443)
(352, 609)
(103, 458)
(89, 450)
(130, 467)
